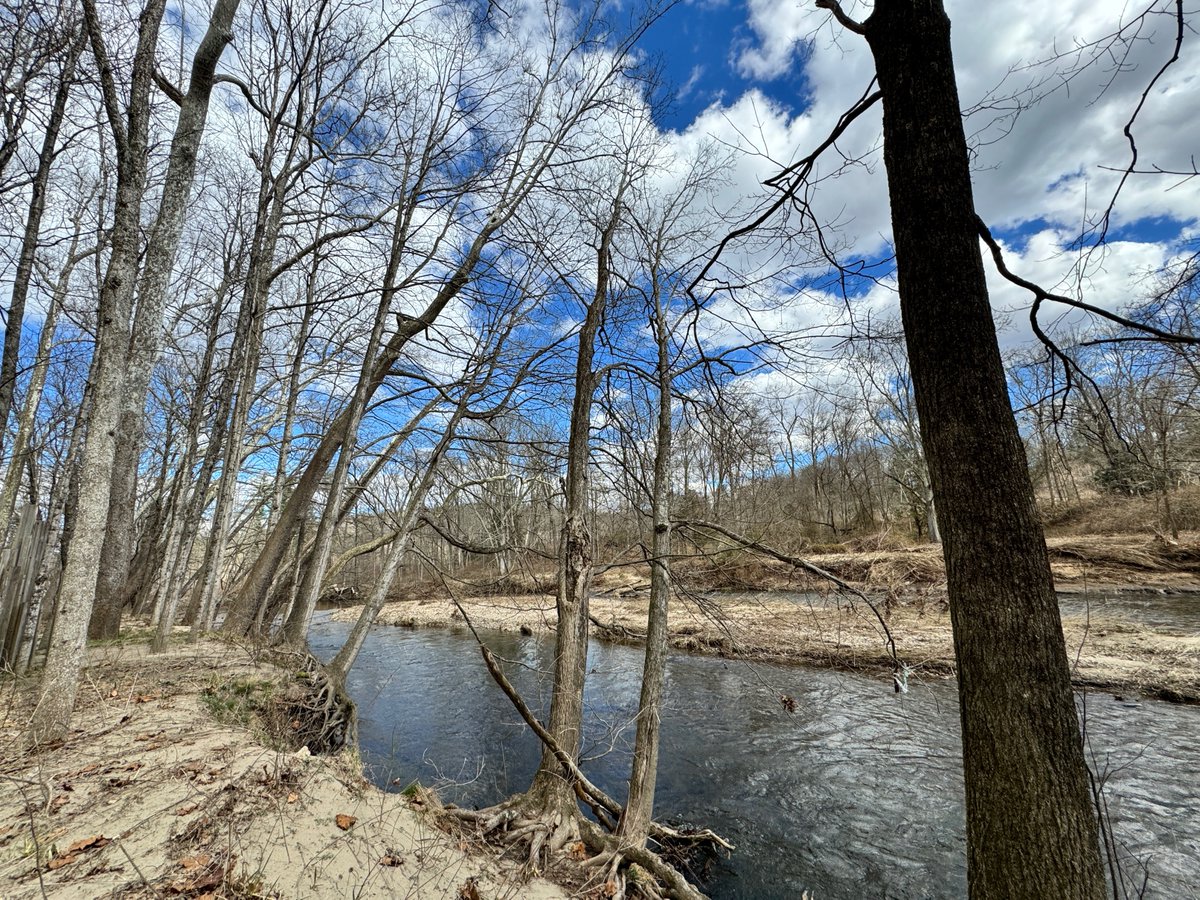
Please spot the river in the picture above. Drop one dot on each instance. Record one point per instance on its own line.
(856, 794)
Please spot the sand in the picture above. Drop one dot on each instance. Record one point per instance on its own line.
(151, 797)
(1105, 653)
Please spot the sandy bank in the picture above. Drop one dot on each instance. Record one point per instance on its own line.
(152, 797)
(1111, 654)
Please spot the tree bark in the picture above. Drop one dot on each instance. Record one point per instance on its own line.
(639, 811)
(60, 679)
(146, 338)
(551, 789)
(1031, 830)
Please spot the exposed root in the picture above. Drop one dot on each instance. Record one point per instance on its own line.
(313, 710)
(621, 860)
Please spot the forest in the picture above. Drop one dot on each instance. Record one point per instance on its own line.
(326, 317)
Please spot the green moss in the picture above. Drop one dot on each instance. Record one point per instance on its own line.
(238, 701)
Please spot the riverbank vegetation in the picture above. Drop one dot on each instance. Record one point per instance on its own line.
(421, 310)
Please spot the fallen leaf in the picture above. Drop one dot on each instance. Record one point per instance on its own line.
(293, 797)
(344, 821)
(92, 843)
(391, 861)
(579, 851)
(469, 891)
(59, 861)
(187, 810)
(195, 862)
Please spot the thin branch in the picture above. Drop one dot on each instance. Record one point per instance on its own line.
(840, 14)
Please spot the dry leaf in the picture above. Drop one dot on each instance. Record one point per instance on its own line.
(187, 810)
(59, 861)
(344, 821)
(293, 797)
(391, 860)
(195, 862)
(469, 891)
(92, 843)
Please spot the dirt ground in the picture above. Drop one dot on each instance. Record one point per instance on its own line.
(150, 796)
(908, 587)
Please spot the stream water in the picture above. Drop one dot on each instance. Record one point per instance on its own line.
(856, 794)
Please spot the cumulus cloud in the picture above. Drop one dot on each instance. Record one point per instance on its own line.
(1047, 90)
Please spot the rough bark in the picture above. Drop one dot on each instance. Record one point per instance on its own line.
(60, 680)
(1031, 831)
(639, 811)
(551, 789)
(146, 338)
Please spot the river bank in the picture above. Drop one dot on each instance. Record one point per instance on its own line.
(166, 786)
(1108, 652)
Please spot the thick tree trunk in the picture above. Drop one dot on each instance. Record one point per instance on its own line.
(1031, 830)
(60, 680)
(146, 337)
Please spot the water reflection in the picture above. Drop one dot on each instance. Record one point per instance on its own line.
(857, 794)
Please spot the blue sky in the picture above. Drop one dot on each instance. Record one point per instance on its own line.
(696, 45)
(772, 76)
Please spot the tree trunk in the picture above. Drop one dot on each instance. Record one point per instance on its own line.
(339, 667)
(37, 381)
(14, 321)
(639, 810)
(257, 583)
(1031, 830)
(146, 337)
(60, 680)
(551, 789)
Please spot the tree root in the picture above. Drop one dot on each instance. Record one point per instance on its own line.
(625, 870)
(313, 710)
